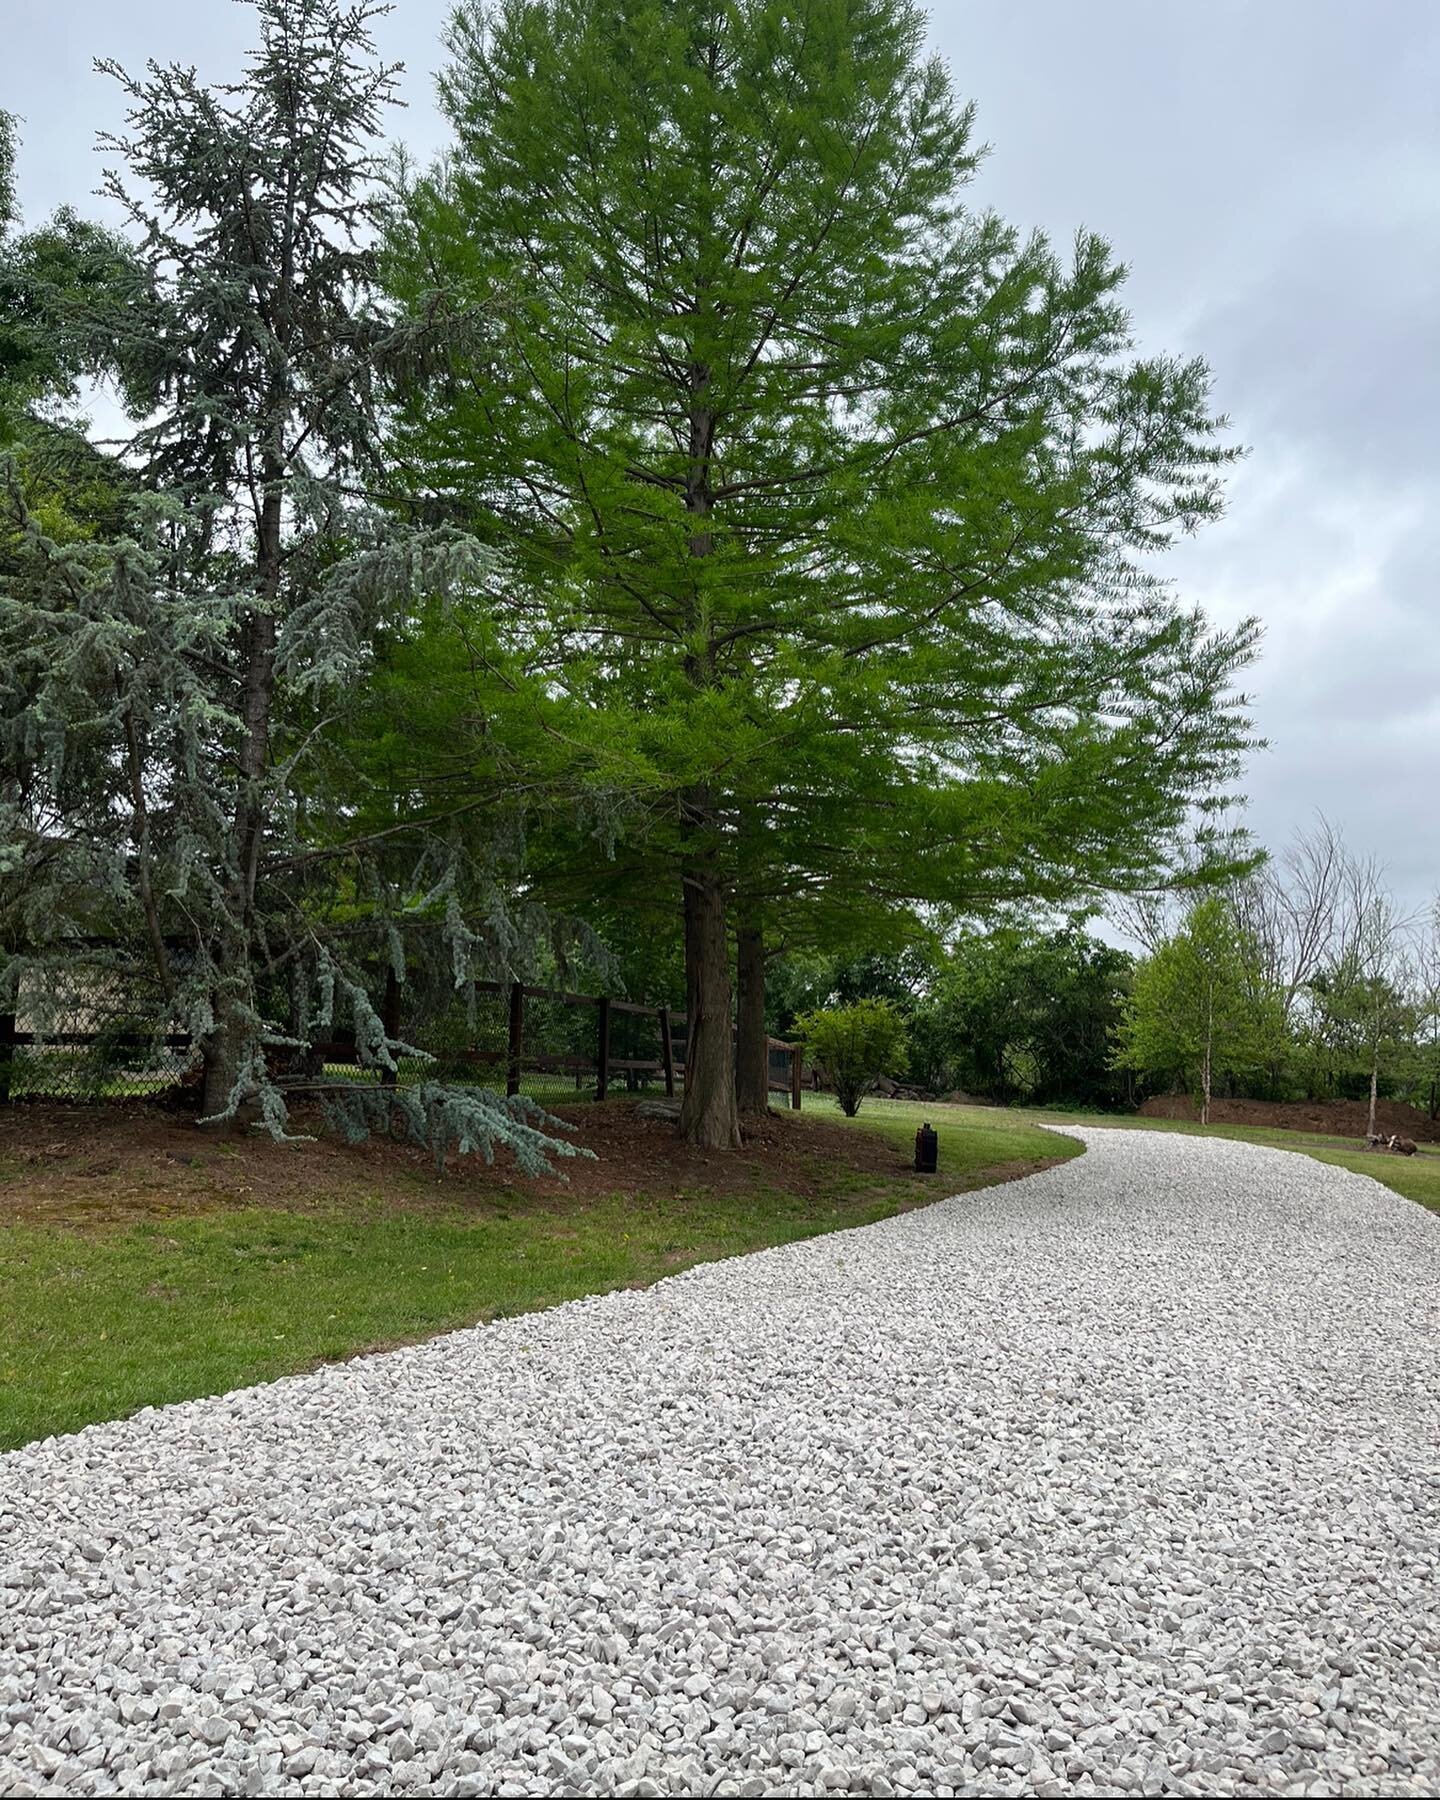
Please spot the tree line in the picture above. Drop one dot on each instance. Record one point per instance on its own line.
(1304, 979)
(1299, 979)
(676, 527)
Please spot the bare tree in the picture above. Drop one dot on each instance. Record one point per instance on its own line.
(1371, 971)
(1293, 908)
(1150, 919)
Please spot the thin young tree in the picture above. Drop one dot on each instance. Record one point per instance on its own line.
(1367, 987)
(1200, 1004)
(1425, 965)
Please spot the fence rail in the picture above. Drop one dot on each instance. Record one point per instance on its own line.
(539, 1037)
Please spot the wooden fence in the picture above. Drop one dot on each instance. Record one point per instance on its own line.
(667, 1066)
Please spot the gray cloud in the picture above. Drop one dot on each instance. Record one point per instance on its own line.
(1272, 175)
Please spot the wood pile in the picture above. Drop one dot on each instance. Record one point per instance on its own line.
(1394, 1145)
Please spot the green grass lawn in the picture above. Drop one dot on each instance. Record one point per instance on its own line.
(101, 1317)
(971, 1138)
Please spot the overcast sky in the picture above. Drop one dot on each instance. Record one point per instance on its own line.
(1271, 173)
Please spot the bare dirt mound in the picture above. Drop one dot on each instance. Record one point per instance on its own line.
(1332, 1118)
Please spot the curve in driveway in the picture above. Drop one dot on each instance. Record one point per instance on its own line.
(1120, 1478)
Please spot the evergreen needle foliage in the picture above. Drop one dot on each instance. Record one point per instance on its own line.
(442, 1119)
(176, 687)
(827, 500)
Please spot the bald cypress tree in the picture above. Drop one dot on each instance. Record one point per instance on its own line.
(826, 492)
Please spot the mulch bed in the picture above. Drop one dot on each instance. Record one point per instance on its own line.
(131, 1160)
(1329, 1118)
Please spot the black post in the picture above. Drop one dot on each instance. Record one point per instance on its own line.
(602, 1059)
(516, 1042)
(797, 1073)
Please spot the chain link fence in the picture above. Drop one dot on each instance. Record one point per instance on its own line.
(93, 1034)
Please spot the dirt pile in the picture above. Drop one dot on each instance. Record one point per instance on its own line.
(1331, 1118)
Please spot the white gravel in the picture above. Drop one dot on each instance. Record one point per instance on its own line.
(1119, 1479)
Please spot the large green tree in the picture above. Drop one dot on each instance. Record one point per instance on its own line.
(824, 493)
(55, 487)
(184, 682)
(51, 275)
(54, 277)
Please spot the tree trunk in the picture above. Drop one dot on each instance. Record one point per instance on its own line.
(752, 1048)
(257, 697)
(222, 1050)
(1374, 1089)
(1205, 1083)
(225, 1047)
(708, 1116)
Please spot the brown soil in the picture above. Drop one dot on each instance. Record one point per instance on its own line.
(1330, 1118)
(133, 1161)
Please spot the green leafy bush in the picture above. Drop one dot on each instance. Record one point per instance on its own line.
(855, 1045)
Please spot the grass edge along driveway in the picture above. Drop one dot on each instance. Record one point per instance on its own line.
(1415, 1177)
(100, 1319)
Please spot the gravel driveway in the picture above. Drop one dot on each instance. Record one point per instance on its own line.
(1119, 1479)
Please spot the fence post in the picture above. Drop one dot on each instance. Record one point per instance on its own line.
(602, 1054)
(797, 1071)
(390, 1019)
(667, 1052)
(515, 1041)
(7, 1054)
